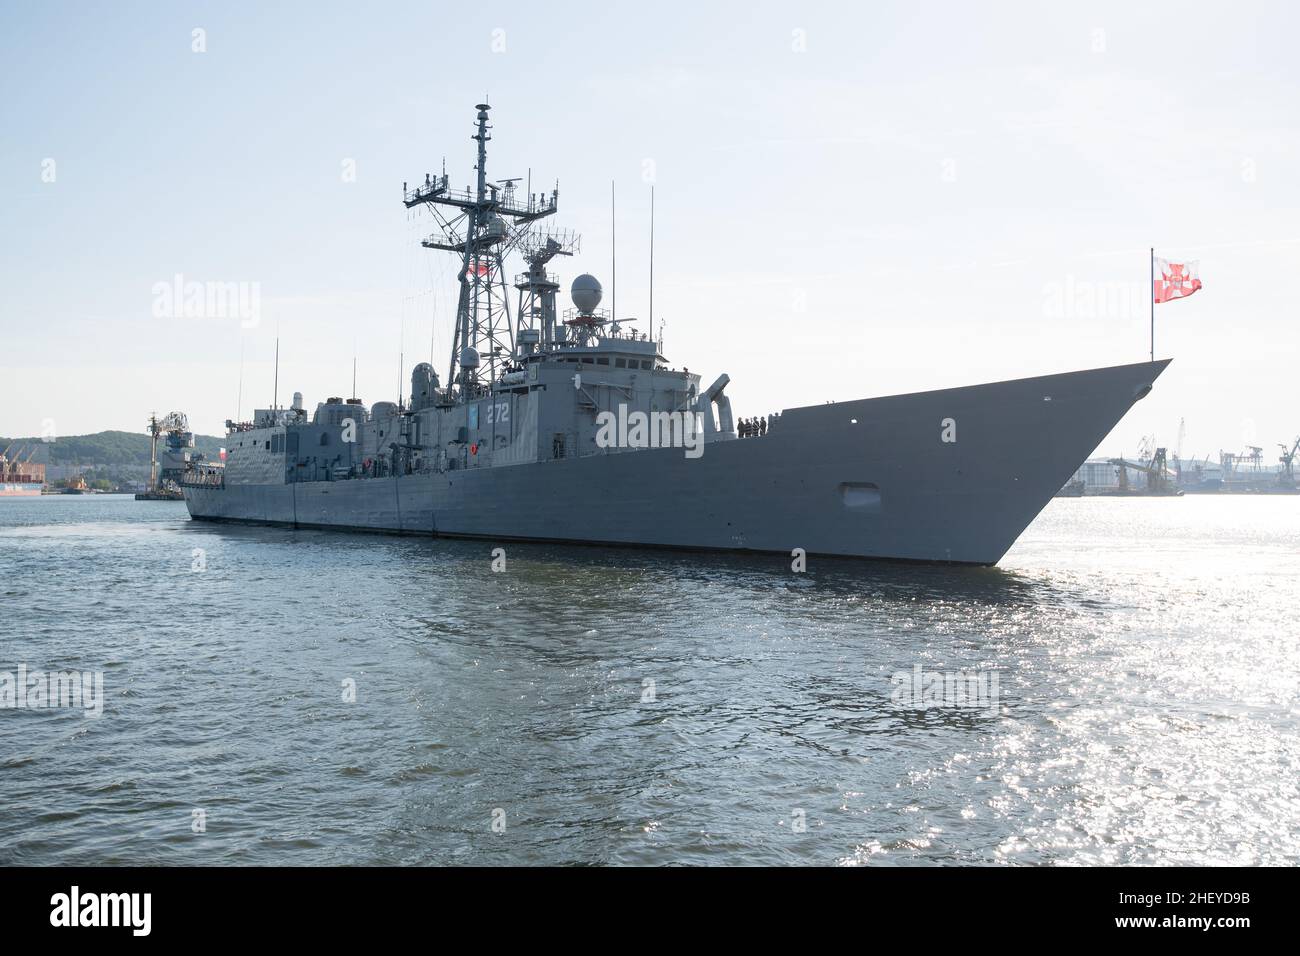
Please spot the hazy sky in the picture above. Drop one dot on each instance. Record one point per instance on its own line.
(852, 199)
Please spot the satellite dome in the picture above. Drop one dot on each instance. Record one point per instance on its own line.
(469, 357)
(585, 293)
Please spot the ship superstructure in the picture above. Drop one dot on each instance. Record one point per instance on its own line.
(575, 427)
(178, 457)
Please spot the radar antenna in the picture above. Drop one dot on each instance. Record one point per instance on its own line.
(537, 287)
(481, 225)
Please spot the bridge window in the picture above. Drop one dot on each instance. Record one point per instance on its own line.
(620, 363)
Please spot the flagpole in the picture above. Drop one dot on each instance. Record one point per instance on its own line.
(1153, 303)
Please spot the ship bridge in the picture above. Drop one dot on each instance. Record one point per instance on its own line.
(615, 350)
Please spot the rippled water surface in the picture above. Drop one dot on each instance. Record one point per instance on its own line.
(621, 706)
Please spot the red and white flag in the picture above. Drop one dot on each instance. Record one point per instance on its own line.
(1175, 280)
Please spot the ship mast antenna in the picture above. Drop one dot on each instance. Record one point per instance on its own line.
(480, 225)
(613, 258)
(239, 393)
(652, 263)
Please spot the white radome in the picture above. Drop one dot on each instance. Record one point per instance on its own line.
(585, 293)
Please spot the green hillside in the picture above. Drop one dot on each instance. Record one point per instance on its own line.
(108, 448)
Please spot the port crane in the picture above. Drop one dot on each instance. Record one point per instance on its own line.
(17, 458)
(1153, 462)
(1252, 458)
(1287, 459)
(1178, 449)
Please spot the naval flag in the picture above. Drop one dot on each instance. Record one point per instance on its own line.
(1174, 280)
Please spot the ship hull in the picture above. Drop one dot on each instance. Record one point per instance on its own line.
(953, 475)
(19, 489)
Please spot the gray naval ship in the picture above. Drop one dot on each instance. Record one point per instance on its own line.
(574, 428)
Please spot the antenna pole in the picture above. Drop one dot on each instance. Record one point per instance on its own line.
(239, 399)
(613, 255)
(1153, 303)
(275, 394)
(652, 263)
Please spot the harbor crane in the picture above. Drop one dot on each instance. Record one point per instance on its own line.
(17, 457)
(1154, 465)
(1287, 458)
(1178, 449)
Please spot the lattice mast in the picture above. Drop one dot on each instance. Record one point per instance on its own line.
(480, 225)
